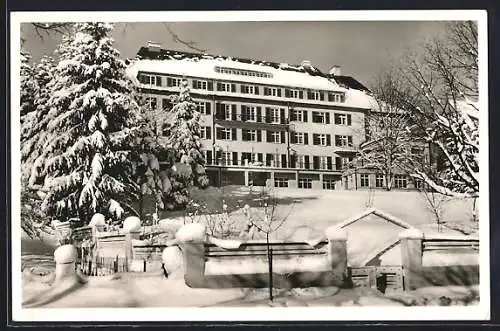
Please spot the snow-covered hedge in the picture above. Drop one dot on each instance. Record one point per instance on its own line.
(193, 232)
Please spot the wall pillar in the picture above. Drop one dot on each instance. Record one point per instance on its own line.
(411, 257)
(132, 229)
(337, 252)
(192, 238)
(65, 257)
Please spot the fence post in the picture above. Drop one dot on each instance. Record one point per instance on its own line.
(337, 252)
(411, 257)
(132, 229)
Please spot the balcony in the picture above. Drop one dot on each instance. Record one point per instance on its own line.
(270, 165)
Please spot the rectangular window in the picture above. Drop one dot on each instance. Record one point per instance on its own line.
(343, 141)
(249, 113)
(200, 84)
(206, 132)
(149, 79)
(150, 102)
(314, 95)
(321, 139)
(225, 87)
(251, 135)
(302, 162)
(336, 97)
(299, 138)
(320, 117)
(280, 181)
(175, 82)
(249, 89)
(305, 183)
(294, 93)
(400, 181)
(276, 137)
(201, 107)
(272, 91)
(296, 115)
(419, 184)
(228, 112)
(343, 119)
(328, 184)
(379, 180)
(224, 133)
(225, 158)
(364, 180)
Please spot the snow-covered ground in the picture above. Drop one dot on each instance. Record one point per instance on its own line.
(308, 214)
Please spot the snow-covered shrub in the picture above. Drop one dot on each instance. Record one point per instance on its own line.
(172, 259)
(193, 232)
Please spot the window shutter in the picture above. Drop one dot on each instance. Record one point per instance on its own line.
(244, 134)
(338, 163)
(306, 138)
(305, 116)
(268, 115)
(330, 97)
(269, 136)
(235, 158)
(342, 98)
(243, 113)
(208, 132)
(219, 86)
(165, 103)
(329, 162)
(256, 90)
(301, 95)
(321, 96)
(327, 118)
(349, 120)
(315, 162)
(233, 112)
(282, 137)
(210, 86)
(170, 82)
(218, 133)
(287, 93)
(218, 111)
(269, 157)
(337, 140)
(279, 92)
(282, 115)
(266, 91)
(234, 134)
(309, 95)
(328, 140)
(233, 87)
(293, 161)
(306, 161)
(315, 139)
(208, 109)
(158, 80)
(349, 140)
(291, 115)
(293, 138)
(259, 135)
(218, 156)
(260, 157)
(209, 157)
(242, 88)
(283, 160)
(259, 114)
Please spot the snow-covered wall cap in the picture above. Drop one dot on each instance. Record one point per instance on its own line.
(335, 233)
(132, 224)
(411, 234)
(193, 232)
(65, 254)
(97, 220)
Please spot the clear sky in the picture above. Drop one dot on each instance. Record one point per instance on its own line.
(362, 49)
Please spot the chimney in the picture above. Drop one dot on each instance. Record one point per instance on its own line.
(335, 71)
(306, 63)
(154, 46)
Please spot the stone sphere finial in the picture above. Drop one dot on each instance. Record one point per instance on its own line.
(65, 254)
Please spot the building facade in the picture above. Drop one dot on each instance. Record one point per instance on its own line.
(262, 123)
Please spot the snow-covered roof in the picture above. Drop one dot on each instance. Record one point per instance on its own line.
(205, 68)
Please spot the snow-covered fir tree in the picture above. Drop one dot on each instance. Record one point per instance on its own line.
(28, 88)
(84, 167)
(153, 146)
(184, 138)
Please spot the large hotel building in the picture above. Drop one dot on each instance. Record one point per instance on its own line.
(263, 122)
